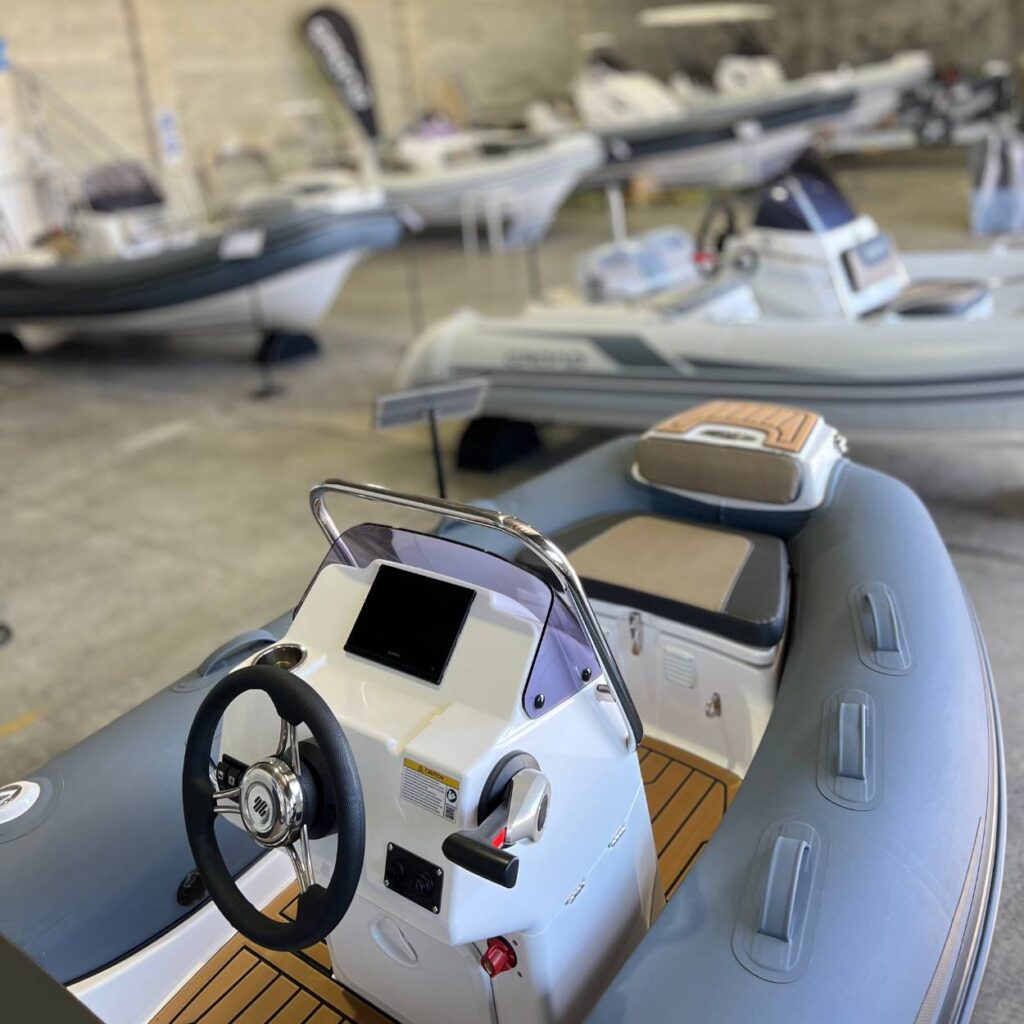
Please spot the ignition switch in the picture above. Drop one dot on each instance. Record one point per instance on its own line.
(498, 957)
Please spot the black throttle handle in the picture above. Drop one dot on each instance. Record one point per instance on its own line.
(475, 851)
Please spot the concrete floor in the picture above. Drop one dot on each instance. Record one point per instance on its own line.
(152, 508)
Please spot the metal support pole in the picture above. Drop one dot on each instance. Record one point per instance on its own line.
(413, 286)
(534, 285)
(616, 211)
(435, 442)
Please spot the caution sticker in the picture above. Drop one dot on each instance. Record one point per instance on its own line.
(430, 789)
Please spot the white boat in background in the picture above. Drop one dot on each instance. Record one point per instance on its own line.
(650, 128)
(752, 70)
(130, 272)
(900, 102)
(812, 305)
(740, 129)
(511, 182)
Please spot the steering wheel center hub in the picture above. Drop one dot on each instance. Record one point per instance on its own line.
(271, 802)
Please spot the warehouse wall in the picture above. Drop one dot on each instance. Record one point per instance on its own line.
(227, 66)
(82, 49)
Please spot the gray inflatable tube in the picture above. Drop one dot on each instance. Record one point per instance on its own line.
(900, 876)
(92, 872)
(894, 877)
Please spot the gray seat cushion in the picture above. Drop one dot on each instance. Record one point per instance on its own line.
(939, 298)
(733, 583)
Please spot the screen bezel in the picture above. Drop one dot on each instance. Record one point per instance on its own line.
(400, 664)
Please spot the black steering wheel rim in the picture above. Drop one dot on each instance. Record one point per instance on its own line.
(320, 908)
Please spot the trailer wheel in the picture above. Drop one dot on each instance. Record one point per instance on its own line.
(490, 442)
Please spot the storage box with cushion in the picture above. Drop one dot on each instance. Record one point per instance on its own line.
(695, 615)
(742, 454)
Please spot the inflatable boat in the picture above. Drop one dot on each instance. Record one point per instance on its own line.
(275, 276)
(811, 304)
(750, 68)
(511, 181)
(716, 731)
(704, 139)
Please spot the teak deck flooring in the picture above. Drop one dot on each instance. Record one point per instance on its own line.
(246, 984)
(687, 798)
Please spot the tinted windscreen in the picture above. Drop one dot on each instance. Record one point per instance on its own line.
(804, 201)
(410, 622)
(832, 209)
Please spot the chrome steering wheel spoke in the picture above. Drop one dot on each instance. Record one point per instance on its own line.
(301, 860)
(225, 801)
(288, 747)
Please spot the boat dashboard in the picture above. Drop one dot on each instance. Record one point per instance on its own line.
(497, 766)
(440, 659)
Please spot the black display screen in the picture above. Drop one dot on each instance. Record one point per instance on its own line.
(410, 622)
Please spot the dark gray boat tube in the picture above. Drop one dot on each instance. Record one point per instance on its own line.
(895, 909)
(92, 872)
(197, 271)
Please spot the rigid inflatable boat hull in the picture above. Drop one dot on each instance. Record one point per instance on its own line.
(285, 277)
(622, 367)
(535, 180)
(900, 910)
(293, 300)
(736, 144)
(902, 920)
(983, 407)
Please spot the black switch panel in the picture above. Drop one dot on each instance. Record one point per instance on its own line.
(229, 772)
(414, 878)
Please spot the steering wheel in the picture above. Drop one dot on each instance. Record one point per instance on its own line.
(280, 801)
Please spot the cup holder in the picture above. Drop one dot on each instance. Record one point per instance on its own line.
(288, 656)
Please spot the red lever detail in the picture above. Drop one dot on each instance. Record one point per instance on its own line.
(498, 957)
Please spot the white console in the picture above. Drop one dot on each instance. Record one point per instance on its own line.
(586, 889)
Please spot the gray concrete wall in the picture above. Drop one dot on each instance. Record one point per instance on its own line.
(228, 66)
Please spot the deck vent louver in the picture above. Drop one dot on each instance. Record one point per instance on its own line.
(678, 667)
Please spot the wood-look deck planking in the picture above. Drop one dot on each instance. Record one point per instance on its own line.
(687, 798)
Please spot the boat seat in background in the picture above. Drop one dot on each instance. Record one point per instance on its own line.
(658, 261)
(120, 185)
(730, 583)
(941, 298)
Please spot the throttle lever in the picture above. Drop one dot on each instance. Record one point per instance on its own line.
(475, 849)
(529, 800)
(513, 808)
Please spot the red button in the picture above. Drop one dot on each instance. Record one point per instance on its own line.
(498, 957)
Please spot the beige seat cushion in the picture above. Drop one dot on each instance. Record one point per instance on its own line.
(770, 474)
(666, 558)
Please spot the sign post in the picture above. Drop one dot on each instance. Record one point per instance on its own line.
(431, 404)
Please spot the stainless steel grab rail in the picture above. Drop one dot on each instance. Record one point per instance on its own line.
(531, 539)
